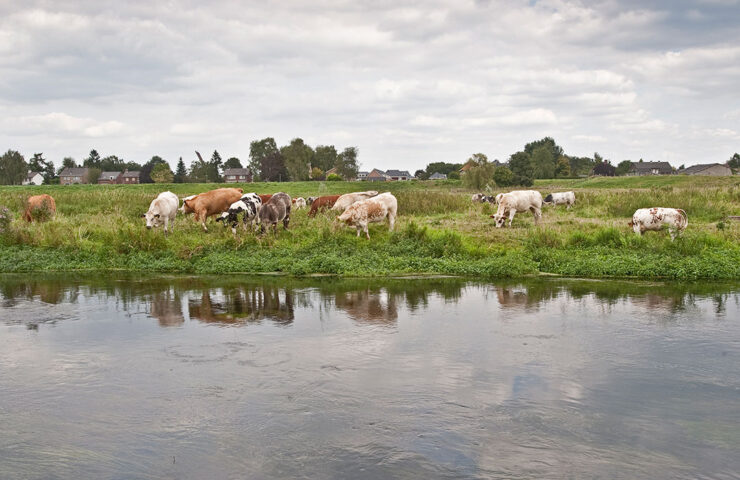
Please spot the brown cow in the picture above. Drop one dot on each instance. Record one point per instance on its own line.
(265, 198)
(212, 203)
(325, 202)
(39, 201)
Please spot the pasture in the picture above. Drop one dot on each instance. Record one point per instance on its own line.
(438, 231)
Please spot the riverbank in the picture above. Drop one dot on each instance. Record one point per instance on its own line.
(439, 231)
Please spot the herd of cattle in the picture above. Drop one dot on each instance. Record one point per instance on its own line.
(357, 209)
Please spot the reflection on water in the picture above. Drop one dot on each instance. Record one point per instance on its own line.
(234, 377)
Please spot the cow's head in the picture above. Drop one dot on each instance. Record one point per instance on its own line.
(153, 219)
(631, 224)
(499, 219)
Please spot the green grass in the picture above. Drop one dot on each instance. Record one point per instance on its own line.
(439, 231)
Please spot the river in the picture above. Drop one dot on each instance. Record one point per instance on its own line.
(121, 376)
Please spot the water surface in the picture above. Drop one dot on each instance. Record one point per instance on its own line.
(237, 377)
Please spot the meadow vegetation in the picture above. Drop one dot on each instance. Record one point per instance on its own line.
(438, 231)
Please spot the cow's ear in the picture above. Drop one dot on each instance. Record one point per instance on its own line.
(156, 215)
(143, 215)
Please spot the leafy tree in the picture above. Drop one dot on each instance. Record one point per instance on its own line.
(480, 174)
(215, 165)
(421, 175)
(478, 158)
(543, 162)
(272, 168)
(325, 157)
(604, 168)
(161, 173)
(581, 165)
(346, 165)
(297, 157)
(146, 169)
(132, 166)
(317, 173)
(93, 174)
(333, 177)
(232, 162)
(734, 162)
(562, 169)
(623, 167)
(92, 160)
(442, 167)
(199, 171)
(520, 164)
(503, 176)
(259, 150)
(67, 162)
(453, 175)
(548, 143)
(112, 163)
(181, 175)
(13, 168)
(44, 167)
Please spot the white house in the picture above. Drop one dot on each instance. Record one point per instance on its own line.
(33, 178)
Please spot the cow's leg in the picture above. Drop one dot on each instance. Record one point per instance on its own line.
(537, 215)
(511, 216)
(286, 220)
(166, 226)
(636, 228)
(367, 233)
(359, 229)
(391, 221)
(672, 233)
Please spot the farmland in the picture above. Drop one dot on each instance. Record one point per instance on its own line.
(438, 231)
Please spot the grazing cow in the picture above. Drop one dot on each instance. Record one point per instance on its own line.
(478, 198)
(561, 198)
(212, 203)
(349, 198)
(309, 200)
(39, 202)
(275, 210)
(655, 218)
(162, 211)
(319, 203)
(299, 203)
(374, 209)
(184, 209)
(518, 201)
(265, 197)
(249, 204)
(498, 198)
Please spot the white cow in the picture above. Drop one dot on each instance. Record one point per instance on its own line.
(478, 198)
(561, 198)
(374, 209)
(499, 197)
(162, 210)
(655, 218)
(299, 203)
(518, 201)
(349, 198)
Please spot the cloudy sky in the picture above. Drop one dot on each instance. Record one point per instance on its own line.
(408, 83)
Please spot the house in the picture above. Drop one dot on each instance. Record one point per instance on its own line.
(331, 171)
(715, 169)
(377, 176)
(438, 176)
(650, 168)
(237, 175)
(33, 178)
(110, 178)
(362, 175)
(130, 178)
(399, 174)
(468, 165)
(70, 176)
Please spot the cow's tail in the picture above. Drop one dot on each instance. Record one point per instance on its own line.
(685, 217)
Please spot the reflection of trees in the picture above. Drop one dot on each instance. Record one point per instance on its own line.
(243, 305)
(367, 306)
(165, 307)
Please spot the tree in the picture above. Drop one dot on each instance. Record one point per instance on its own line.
(92, 160)
(67, 162)
(453, 175)
(44, 167)
(259, 150)
(272, 168)
(480, 174)
(604, 169)
(199, 171)
(93, 174)
(232, 162)
(421, 175)
(442, 167)
(521, 166)
(146, 169)
(543, 162)
(297, 157)
(503, 176)
(325, 157)
(734, 162)
(562, 169)
(478, 158)
(13, 168)
(581, 165)
(548, 143)
(215, 167)
(112, 163)
(161, 173)
(346, 165)
(623, 167)
(317, 173)
(181, 175)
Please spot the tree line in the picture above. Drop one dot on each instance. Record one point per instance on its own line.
(267, 162)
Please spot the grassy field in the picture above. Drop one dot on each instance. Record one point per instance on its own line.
(439, 231)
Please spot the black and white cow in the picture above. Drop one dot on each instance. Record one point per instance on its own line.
(249, 205)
